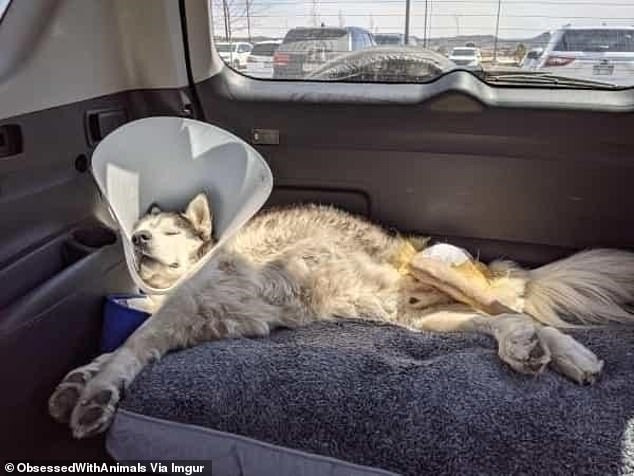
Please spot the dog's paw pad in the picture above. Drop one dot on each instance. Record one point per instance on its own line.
(63, 400)
(527, 357)
(95, 412)
(66, 395)
(104, 397)
(78, 376)
(520, 347)
(90, 416)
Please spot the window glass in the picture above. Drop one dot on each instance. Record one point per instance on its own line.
(264, 49)
(358, 42)
(464, 51)
(545, 43)
(223, 47)
(310, 34)
(4, 4)
(388, 39)
(603, 40)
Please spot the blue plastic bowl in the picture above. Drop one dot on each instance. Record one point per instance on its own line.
(119, 320)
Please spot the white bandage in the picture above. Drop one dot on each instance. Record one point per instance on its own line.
(447, 253)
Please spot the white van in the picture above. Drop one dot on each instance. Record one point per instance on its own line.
(234, 54)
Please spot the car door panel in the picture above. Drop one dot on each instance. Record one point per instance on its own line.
(452, 167)
(59, 255)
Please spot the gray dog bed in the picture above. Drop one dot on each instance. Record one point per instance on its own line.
(357, 398)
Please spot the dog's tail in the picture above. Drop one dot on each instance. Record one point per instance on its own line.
(591, 287)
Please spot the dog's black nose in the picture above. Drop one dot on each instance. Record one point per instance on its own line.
(141, 237)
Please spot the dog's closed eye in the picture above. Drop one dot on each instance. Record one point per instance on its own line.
(171, 233)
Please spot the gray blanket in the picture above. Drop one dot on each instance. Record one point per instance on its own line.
(412, 403)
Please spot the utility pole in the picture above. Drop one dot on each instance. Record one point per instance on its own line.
(227, 18)
(431, 4)
(497, 32)
(425, 27)
(313, 13)
(248, 20)
(408, 5)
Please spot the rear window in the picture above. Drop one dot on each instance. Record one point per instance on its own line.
(304, 34)
(388, 39)
(464, 51)
(600, 40)
(266, 49)
(501, 42)
(534, 54)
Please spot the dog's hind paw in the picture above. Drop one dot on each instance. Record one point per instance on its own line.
(95, 409)
(519, 345)
(569, 357)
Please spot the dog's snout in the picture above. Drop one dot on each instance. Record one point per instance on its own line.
(141, 237)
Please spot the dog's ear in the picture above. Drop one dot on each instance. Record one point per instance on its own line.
(199, 214)
(154, 209)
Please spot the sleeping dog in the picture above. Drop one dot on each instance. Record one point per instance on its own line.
(291, 267)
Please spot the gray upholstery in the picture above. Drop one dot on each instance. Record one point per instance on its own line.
(387, 398)
(138, 437)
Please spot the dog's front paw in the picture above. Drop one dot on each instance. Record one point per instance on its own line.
(569, 357)
(95, 409)
(64, 399)
(519, 345)
(67, 393)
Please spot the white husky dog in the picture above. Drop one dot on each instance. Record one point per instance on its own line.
(293, 266)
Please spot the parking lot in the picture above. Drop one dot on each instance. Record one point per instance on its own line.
(486, 36)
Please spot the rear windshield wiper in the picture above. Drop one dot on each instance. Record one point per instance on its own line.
(544, 79)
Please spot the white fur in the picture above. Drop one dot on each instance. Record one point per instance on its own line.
(295, 266)
(591, 287)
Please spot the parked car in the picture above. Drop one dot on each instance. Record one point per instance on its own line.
(234, 54)
(604, 53)
(467, 57)
(303, 50)
(260, 61)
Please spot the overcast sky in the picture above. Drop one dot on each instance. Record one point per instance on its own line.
(518, 18)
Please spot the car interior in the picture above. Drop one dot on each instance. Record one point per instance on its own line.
(529, 171)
